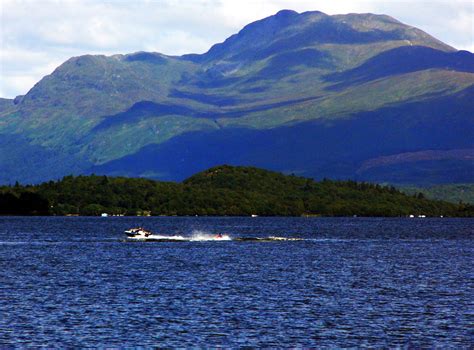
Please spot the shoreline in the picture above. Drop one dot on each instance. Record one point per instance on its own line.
(240, 216)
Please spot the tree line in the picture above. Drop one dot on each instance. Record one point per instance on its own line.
(223, 190)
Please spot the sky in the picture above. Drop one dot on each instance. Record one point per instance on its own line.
(36, 36)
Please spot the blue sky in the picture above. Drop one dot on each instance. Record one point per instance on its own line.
(38, 35)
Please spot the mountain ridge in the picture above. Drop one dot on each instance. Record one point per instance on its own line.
(275, 73)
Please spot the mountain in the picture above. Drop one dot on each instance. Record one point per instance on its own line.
(357, 96)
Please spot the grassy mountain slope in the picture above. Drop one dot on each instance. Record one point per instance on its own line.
(96, 113)
(6, 104)
(454, 193)
(335, 148)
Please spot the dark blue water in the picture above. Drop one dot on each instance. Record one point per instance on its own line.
(352, 282)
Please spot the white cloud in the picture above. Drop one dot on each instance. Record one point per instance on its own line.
(37, 35)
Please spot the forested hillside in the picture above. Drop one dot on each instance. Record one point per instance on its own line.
(223, 190)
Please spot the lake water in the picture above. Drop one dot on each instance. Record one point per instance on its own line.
(70, 282)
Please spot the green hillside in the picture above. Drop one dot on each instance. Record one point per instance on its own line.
(101, 114)
(454, 193)
(223, 190)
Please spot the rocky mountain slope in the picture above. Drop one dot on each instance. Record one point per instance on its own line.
(310, 94)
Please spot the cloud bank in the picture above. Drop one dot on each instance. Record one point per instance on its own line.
(37, 36)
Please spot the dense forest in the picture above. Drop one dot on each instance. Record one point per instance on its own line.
(223, 190)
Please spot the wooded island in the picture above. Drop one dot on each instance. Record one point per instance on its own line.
(219, 191)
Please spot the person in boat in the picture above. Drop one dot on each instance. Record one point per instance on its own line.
(219, 235)
(145, 231)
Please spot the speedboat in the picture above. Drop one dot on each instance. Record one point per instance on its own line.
(141, 234)
(138, 232)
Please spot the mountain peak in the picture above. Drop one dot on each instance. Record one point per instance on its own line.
(288, 30)
(286, 13)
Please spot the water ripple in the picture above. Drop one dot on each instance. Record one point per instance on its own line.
(72, 282)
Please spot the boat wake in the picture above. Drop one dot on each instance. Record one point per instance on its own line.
(268, 239)
(201, 236)
(197, 236)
